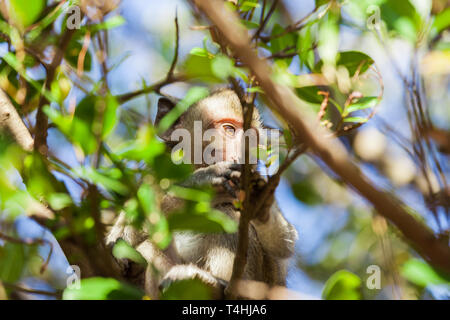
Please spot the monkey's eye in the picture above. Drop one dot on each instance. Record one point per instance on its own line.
(229, 129)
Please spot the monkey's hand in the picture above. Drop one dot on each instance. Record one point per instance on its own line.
(187, 272)
(223, 176)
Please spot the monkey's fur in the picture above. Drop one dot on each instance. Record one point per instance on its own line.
(209, 257)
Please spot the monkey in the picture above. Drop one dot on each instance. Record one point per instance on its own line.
(209, 257)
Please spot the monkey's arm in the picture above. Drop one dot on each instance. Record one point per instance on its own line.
(158, 262)
(276, 235)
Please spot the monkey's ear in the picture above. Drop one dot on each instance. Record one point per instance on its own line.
(165, 105)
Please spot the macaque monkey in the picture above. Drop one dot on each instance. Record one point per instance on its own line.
(209, 257)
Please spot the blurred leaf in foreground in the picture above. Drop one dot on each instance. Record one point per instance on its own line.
(421, 274)
(342, 285)
(192, 289)
(102, 289)
(122, 250)
(24, 12)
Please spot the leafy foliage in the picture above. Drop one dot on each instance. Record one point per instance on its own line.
(120, 164)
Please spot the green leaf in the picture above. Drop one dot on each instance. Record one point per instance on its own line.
(63, 123)
(305, 47)
(211, 221)
(222, 67)
(321, 2)
(145, 147)
(421, 274)
(441, 21)
(12, 261)
(101, 178)
(12, 60)
(305, 192)
(250, 24)
(352, 60)
(201, 52)
(25, 12)
(363, 103)
(310, 94)
(199, 67)
(283, 44)
(342, 285)
(122, 250)
(402, 17)
(355, 119)
(59, 201)
(189, 289)
(39, 180)
(48, 20)
(255, 89)
(110, 116)
(81, 134)
(146, 197)
(93, 116)
(288, 138)
(102, 289)
(328, 37)
(161, 233)
(86, 110)
(111, 23)
(191, 194)
(248, 5)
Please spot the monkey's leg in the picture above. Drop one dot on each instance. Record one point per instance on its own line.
(277, 235)
(158, 262)
(191, 271)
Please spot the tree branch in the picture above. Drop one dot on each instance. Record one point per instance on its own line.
(122, 98)
(41, 129)
(333, 153)
(12, 122)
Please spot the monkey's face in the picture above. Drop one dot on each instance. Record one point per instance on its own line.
(223, 141)
(215, 128)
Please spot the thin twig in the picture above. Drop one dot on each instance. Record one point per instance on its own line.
(297, 26)
(82, 54)
(323, 105)
(266, 19)
(152, 88)
(177, 44)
